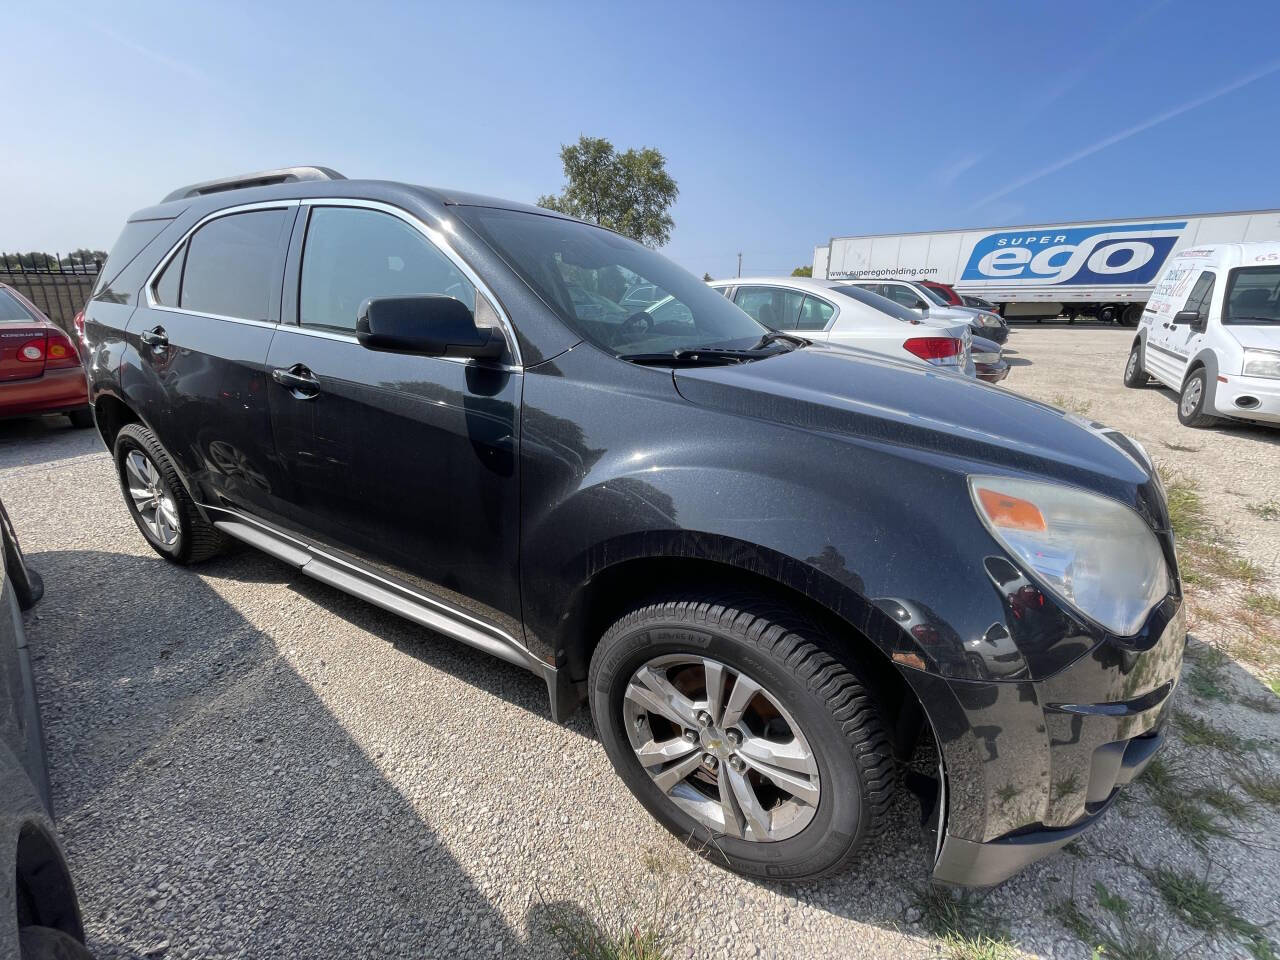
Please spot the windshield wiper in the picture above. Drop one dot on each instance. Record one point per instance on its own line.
(700, 355)
(1259, 319)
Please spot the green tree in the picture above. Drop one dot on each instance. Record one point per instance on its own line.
(802, 272)
(707, 278)
(628, 192)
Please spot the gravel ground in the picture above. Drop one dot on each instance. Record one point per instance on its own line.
(249, 764)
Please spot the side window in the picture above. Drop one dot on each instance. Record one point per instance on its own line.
(815, 314)
(772, 306)
(167, 284)
(903, 295)
(352, 254)
(232, 265)
(1201, 295)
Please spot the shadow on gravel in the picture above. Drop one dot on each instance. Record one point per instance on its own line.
(1238, 428)
(26, 443)
(205, 787)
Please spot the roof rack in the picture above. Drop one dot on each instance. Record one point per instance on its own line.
(263, 178)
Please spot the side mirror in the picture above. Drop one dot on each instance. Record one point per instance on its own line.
(1189, 317)
(434, 326)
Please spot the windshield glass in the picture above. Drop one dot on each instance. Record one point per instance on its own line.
(1253, 296)
(877, 302)
(623, 297)
(932, 295)
(12, 311)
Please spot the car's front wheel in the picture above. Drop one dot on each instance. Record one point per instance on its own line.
(1134, 374)
(737, 728)
(158, 502)
(1195, 391)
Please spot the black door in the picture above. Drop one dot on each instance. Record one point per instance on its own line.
(407, 462)
(200, 337)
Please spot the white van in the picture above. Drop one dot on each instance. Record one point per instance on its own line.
(1211, 331)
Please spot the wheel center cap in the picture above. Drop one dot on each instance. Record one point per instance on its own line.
(715, 742)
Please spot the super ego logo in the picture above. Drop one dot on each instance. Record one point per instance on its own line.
(1111, 254)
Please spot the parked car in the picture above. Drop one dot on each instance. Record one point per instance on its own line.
(39, 912)
(1211, 331)
(988, 360)
(684, 523)
(979, 303)
(945, 291)
(40, 370)
(838, 313)
(924, 301)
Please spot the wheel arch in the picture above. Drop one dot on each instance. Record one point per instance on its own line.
(45, 892)
(111, 414)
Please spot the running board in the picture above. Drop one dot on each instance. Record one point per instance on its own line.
(389, 598)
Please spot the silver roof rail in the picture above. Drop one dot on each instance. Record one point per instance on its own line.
(263, 178)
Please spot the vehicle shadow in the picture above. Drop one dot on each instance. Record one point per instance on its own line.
(41, 440)
(1239, 428)
(213, 803)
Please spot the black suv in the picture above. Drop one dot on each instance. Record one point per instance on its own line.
(770, 565)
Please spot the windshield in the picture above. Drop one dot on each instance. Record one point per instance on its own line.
(12, 311)
(621, 296)
(1253, 296)
(931, 294)
(877, 302)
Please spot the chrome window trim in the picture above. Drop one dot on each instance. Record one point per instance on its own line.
(438, 240)
(435, 237)
(149, 288)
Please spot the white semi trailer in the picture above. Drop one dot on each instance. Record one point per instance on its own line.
(1103, 268)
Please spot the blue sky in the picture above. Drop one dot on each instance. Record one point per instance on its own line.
(782, 123)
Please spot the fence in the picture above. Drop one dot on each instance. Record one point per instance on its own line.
(58, 289)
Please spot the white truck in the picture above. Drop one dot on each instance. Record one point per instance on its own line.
(1104, 268)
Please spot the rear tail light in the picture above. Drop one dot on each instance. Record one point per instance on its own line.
(941, 351)
(78, 323)
(32, 351)
(60, 352)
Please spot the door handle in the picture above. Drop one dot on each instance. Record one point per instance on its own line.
(155, 337)
(300, 381)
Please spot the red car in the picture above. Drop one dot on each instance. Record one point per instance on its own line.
(945, 291)
(40, 368)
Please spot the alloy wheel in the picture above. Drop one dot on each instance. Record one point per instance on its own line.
(722, 747)
(153, 503)
(1132, 367)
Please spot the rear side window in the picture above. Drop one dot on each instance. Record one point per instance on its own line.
(775, 307)
(232, 265)
(351, 255)
(12, 310)
(133, 238)
(170, 280)
(815, 314)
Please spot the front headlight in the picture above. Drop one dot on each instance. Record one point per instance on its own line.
(988, 320)
(1261, 363)
(1093, 552)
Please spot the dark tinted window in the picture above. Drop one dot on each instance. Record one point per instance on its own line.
(351, 255)
(233, 263)
(12, 310)
(775, 307)
(815, 314)
(166, 288)
(1253, 296)
(1203, 286)
(904, 295)
(886, 306)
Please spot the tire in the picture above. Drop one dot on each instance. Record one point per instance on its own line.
(1195, 388)
(168, 519)
(1134, 375)
(1106, 314)
(1132, 314)
(820, 708)
(80, 418)
(46, 943)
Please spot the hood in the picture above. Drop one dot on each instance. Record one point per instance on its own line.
(861, 397)
(1255, 336)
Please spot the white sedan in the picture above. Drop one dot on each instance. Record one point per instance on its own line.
(839, 312)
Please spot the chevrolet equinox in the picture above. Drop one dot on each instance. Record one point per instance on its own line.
(770, 565)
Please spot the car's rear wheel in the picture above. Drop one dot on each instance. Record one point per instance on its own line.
(1134, 374)
(158, 501)
(1195, 391)
(46, 943)
(80, 418)
(737, 728)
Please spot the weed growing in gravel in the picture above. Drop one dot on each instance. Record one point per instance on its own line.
(1265, 511)
(1202, 906)
(1264, 603)
(1121, 940)
(1179, 801)
(1198, 732)
(1206, 679)
(1224, 801)
(967, 930)
(1186, 507)
(1263, 785)
(1263, 703)
(1073, 404)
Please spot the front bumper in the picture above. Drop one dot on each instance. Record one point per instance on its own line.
(54, 391)
(1264, 390)
(1031, 764)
